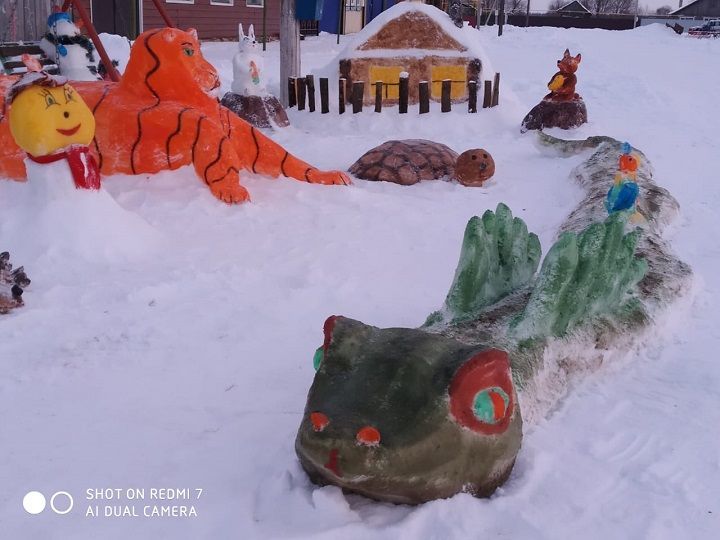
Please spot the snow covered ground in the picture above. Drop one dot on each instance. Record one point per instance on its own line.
(172, 346)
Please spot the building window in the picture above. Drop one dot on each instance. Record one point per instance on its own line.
(222, 2)
(180, 1)
(255, 3)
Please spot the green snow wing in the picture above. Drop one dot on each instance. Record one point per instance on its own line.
(498, 255)
(583, 275)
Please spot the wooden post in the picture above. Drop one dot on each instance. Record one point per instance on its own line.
(487, 97)
(424, 93)
(496, 91)
(404, 88)
(341, 96)
(501, 17)
(292, 92)
(310, 83)
(324, 96)
(378, 96)
(289, 45)
(472, 96)
(445, 96)
(358, 89)
(301, 93)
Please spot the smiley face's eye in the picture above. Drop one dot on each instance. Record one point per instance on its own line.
(49, 99)
(69, 94)
(188, 51)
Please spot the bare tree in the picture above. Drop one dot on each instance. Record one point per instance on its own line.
(611, 6)
(556, 4)
(515, 6)
(663, 10)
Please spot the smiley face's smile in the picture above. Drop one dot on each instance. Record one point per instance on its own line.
(69, 132)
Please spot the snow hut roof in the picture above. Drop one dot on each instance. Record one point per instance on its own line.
(388, 35)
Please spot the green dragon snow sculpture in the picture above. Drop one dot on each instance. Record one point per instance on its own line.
(410, 415)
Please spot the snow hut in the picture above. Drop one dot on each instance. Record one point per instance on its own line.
(419, 40)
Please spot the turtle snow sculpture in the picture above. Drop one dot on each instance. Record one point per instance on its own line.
(411, 415)
(409, 161)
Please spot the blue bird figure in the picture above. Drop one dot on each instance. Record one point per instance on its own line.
(622, 196)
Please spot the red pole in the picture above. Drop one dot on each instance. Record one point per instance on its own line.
(104, 58)
(163, 13)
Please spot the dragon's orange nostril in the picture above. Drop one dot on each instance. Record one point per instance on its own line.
(368, 436)
(319, 421)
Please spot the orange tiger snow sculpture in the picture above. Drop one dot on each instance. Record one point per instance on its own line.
(163, 115)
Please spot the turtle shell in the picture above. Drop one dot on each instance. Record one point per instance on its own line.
(406, 162)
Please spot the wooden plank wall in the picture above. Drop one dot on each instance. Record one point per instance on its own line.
(23, 20)
(214, 21)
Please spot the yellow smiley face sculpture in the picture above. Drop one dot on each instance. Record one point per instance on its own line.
(47, 118)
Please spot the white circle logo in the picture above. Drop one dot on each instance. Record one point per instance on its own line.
(52, 502)
(34, 502)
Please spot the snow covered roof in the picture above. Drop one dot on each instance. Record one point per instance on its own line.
(467, 39)
(579, 8)
(679, 10)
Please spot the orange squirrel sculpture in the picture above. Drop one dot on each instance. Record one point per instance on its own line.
(562, 84)
(163, 115)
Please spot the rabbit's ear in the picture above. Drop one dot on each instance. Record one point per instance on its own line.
(241, 34)
(251, 33)
(578, 57)
(567, 53)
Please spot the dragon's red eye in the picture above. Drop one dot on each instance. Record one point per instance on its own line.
(481, 393)
(369, 436)
(319, 421)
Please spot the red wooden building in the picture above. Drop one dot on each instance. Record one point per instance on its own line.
(213, 19)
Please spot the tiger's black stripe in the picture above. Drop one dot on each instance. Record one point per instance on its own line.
(224, 175)
(197, 137)
(212, 163)
(152, 91)
(177, 130)
(306, 173)
(95, 108)
(257, 149)
(282, 164)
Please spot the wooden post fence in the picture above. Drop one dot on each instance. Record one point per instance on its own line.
(487, 96)
(445, 96)
(472, 96)
(341, 96)
(424, 95)
(324, 96)
(404, 90)
(310, 83)
(358, 90)
(300, 87)
(300, 93)
(292, 92)
(496, 91)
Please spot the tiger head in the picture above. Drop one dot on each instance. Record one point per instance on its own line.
(169, 65)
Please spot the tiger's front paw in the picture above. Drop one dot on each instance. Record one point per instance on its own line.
(337, 178)
(231, 193)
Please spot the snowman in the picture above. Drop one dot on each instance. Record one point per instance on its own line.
(248, 66)
(66, 209)
(74, 53)
(53, 125)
